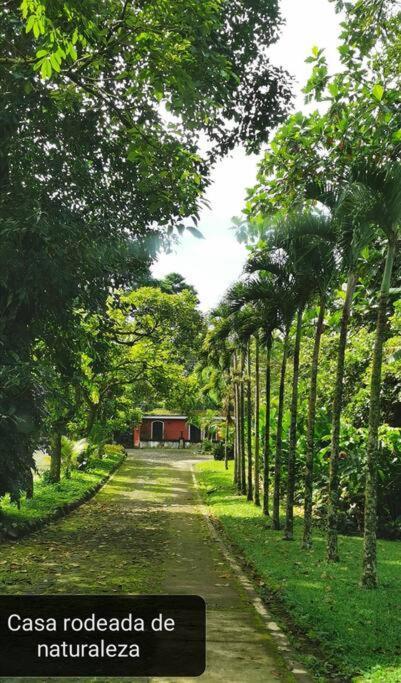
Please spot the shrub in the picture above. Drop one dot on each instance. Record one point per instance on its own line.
(113, 449)
(219, 451)
(207, 446)
(71, 451)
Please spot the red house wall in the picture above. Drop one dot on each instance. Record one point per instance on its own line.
(174, 430)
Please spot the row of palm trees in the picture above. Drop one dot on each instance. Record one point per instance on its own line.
(301, 258)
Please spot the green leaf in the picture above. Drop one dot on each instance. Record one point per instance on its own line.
(333, 89)
(55, 63)
(30, 23)
(195, 232)
(46, 69)
(378, 92)
(36, 28)
(395, 356)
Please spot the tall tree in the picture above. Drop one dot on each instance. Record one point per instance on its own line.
(375, 196)
(270, 265)
(257, 424)
(93, 177)
(249, 423)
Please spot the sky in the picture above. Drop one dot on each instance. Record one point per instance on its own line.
(214, 263)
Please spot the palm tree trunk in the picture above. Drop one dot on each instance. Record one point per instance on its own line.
(310, 431)
(266, 450)
(227, 435)
(369, 576)
(257, 406)
(234, 370)
(236, 435)
(249, 425)
(332, 515)
(55, 462)
(279, 438)
(289, 516)
(242, 431)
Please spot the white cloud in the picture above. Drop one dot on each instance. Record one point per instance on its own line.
(211, 265)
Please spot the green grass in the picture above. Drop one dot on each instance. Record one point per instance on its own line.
(49, 497)
(359, 631)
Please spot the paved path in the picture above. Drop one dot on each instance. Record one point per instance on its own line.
(144, 533)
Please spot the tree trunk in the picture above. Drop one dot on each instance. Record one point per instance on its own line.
(289, 516)
(242, 432)
(266, 450)
(369, 576)
(93, 410)
(29, 485)
(332, 515)
(279, 438)
(227, 435)
(249, 425)
(55, 462)
(236, 437)
(310, 430)
(257, 406)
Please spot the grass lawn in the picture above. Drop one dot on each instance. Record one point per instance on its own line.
(49, 497)
(359, 631)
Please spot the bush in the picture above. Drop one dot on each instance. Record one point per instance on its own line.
(219, 451)
(113, 449)
(207, 446)
(71, 453)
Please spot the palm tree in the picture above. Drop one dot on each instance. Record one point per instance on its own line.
(310, 431)
(352, 235)
(247, 301)
(300, 265)
(243, 484)
(375, 197)
(216, 358)
(249, 424)
(305, 264)
(314, 259)
(279, 434)
(265, 299)
(266, 447)
(271, 265)
(243, 325)
(257, 406)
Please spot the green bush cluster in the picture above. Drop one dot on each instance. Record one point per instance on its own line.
(219, 451)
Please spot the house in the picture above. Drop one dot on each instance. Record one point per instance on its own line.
(171, 431)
